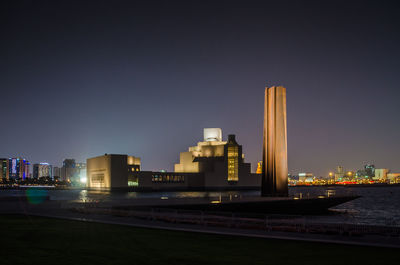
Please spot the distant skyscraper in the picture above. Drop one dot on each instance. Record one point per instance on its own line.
(367, 173)
(381, 174)
(369, 170)
(18, 168)
(42, 170)
(306, 177)
(339, 173)
(56, 172)
(3, 169)
(275, 168)
(68, 170)
(393, 178)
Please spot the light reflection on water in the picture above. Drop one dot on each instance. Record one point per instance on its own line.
(378, 205)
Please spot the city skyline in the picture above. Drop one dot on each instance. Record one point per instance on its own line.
(138, 80)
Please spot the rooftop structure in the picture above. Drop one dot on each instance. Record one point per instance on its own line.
(212, 134)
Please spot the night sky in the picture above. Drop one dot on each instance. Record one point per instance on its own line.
(80, 79)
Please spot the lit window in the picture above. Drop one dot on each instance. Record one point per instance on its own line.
(233, 163)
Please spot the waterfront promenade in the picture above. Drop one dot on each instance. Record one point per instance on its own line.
(39, 240)
(278, 227)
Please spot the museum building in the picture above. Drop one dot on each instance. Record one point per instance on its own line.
(212, 164)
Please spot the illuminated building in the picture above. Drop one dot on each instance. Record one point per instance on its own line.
(42, 170)
(212, 134)
(259, 167)
(306, 177)
(232, 149)
(221, 162)
(331, 178)
(211, 147)
(393, 178)
(293, 180)
(18, 168)
(339, 174)
(56, 172)
(212, 164)
(381, 174)
(275, 168)
(112, 171)
(26, 172)
(369, 170)
(68, 170)
(3, 169)
(80, 175)
(366, 174)
(72, 172)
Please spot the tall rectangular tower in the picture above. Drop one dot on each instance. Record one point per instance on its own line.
(275, 168)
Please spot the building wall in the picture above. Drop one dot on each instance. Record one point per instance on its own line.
(18, 168)
(217, 177)
(111, 171)
(222, 163)
(42, 170)
(381, 174)
(212, 134)
(119, 171)
(251, 180)
(56, 172)
(212, 146)
(167, 180)
(186, 163)
(393, 178)
(99, 172)
(4, 168)
(133, 161)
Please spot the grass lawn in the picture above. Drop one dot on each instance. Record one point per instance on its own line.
(34, 240)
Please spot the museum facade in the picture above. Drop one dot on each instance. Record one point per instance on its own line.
(213, 164)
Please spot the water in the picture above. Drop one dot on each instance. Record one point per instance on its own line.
(377, 206)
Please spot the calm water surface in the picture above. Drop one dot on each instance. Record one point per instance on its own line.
(377, 206)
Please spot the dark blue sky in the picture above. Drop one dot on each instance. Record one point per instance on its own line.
(83, 78)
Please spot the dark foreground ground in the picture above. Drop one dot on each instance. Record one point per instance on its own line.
(37, 240)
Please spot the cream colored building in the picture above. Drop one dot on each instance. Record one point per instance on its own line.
(221, 162)
(393, 178)
(112, 171)
(381, 174)
(306, 177)
(212, 164)
(212, 146)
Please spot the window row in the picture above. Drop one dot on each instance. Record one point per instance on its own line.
(167, 178)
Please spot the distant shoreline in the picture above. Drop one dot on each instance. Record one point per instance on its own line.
(210, 189)
(349, 185)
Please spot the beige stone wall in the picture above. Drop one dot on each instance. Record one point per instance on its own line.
(133, 160)
(98, 172)
(108, 171)
(186, 163)
(203, 149)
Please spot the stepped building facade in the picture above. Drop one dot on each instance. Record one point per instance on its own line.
(211, 164)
